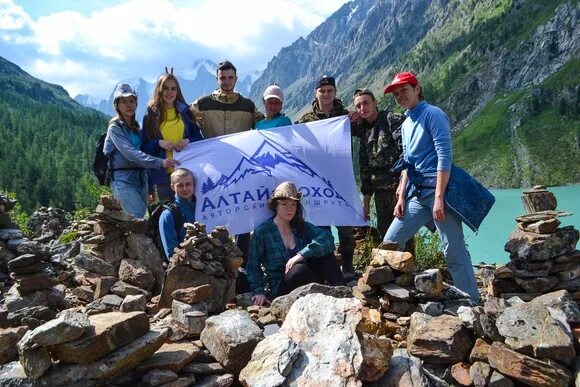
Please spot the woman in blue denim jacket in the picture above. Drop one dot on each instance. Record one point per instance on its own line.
(168, 127)
(127, 163)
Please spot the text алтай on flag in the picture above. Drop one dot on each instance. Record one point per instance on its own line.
(236, 174)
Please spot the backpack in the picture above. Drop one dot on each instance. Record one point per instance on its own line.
(101, 162)
(153, 222)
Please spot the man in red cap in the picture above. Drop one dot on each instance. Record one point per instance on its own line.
(426, 166)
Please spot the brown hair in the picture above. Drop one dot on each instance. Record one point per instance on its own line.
(297, 222)
(156, 111)
(359, 92)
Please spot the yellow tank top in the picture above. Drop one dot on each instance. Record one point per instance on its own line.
(172, 129)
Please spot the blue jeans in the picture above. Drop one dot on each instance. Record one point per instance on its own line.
(130, 189)
(419, 211)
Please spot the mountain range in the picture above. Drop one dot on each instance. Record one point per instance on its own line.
(505, 71)
(196, 81)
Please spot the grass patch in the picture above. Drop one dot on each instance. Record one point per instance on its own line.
(68, 237)
(428, 251)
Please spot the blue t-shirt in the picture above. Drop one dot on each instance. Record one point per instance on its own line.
(279, 120)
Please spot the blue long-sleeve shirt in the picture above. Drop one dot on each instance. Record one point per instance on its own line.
(170, 237)
(267, 249)
(426, 136)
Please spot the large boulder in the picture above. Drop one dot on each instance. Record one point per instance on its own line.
(231, 337)
(316, 345)
(529, 328)
(281, 305)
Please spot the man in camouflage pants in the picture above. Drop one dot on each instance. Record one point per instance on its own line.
(380, 148)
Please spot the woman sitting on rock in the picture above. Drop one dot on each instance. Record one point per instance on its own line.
(127, 163)
(292, 252)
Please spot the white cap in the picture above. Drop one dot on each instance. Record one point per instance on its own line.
(274, 91)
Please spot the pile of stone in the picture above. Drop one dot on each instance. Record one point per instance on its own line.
(10, 235)
(200, 278)
(543, 256)
(116, 266)
(47, 224)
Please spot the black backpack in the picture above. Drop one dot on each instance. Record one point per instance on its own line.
(101, 162)
(153, 222)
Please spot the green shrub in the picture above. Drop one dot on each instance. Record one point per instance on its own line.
(362, 257)
(428, 251)
(18, 215)
(68, 237)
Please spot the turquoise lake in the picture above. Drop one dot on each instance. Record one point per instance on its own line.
(488, 245)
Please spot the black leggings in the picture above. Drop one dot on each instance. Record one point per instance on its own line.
(320, 270)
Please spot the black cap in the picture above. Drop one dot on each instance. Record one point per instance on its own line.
(325, 81)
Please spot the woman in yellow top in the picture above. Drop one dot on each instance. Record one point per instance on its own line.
(168, 127)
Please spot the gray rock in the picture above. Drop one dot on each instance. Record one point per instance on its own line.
(480, 373)
(137, 303)
(231, 337)
(417, 322)
(396, 292)
(9, 337)
(530, 329)
(443, 340)
(224, 380)
(112, 300)
(24, 261)
(206, 368)
(489, 329)
(68, 326)
(471, 318)
(93, 264)
(123, 289)
(316, 345)
(10, 233)
(271, 362)
(404, 370)
(561, 300)
(192, 316)
(35, 360)
(13, 244)
(136, 273)
(430, 282)
(158, 377)
(281, 305)
(526, 246)
(431, 308)
(142, 248)
(498, 379)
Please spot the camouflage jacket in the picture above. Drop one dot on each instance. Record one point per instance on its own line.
(380, 148)
(316, 114)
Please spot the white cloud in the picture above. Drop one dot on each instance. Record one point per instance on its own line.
(138, 36)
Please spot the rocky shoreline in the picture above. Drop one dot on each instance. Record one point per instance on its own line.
(102, 309)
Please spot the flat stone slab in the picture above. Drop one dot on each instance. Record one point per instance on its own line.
(171, 356)
(109, 331)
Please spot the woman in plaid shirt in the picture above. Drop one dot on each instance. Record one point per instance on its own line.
(290, 251)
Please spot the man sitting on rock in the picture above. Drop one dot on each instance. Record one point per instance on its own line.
(181, 211)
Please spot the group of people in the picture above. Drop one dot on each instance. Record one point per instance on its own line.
(405, 162)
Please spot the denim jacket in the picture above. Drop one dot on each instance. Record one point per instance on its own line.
(464, 195)
(151, 146)
(124, 153)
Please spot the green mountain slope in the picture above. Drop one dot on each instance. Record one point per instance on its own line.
(505, 71)
(46, 142)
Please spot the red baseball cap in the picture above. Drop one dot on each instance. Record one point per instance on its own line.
(401, 79)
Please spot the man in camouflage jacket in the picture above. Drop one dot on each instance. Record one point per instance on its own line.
(380, 148)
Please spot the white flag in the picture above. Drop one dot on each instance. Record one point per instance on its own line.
(235, 174)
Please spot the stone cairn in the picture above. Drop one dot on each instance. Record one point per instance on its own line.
(543, 257)
(200, 278)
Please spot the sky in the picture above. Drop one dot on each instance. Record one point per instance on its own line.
(89, 46)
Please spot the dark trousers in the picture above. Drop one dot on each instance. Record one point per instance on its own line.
(346, 245)
(320, 270)
(243, 243)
